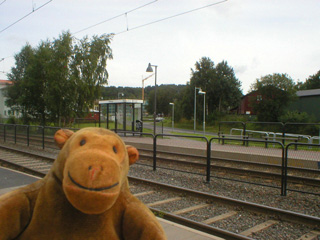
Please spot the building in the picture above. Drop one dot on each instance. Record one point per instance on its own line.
(122, 114)
(5, 112)
(246, 103)
(308, 101)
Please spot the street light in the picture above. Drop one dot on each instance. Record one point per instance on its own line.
(150, 69)
(195, 108)
(172, 117)
(204, 110)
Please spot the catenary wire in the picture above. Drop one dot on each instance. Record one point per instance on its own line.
(94, 25)
(173, 16)
(25, 16)
(140, 26)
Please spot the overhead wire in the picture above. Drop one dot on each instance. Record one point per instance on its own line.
(33, 10)
(126, 15)
(109, 19)
(173, 16)
(2, 2)
(2, 59)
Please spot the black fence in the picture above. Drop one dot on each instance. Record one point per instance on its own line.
(311, 163)
(261, 152)
(264, 153)
(29, 135)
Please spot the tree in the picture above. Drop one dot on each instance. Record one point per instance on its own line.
(88, 70)
(272, 104)
(28, 92)
(112, 92)
(220, 84)
(165, 95)
(60, 89)
(59, 78)
(275, 93)
(16, 94)
(313, 82)
(281, 81)
(228, 87)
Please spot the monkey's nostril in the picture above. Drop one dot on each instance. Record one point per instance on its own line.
(90, 167)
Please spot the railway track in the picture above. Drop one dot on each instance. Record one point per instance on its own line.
(310, 177)
(296, 175)
(217, 215)
(31, 139)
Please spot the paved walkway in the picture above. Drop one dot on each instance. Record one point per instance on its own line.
(183, 142)
(236, 151)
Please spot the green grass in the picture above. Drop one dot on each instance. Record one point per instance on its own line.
(189, 125)
(193, 134)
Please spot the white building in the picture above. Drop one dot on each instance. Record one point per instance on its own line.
(5, 112)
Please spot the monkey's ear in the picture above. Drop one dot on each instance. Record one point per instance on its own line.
(61, 136)
(133, 154)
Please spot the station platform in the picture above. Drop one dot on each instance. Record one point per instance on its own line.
(271, 155)
(10, 180)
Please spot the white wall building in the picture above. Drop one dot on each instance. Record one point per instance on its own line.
(5, 112)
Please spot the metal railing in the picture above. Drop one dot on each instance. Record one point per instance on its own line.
(30, 135)
(285, 132)
(278, 154)
(311, 162)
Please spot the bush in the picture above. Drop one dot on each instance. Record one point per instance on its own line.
(12, 120)
(297, 119)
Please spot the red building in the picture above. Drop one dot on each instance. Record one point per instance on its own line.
(246, 103)
(92, 115)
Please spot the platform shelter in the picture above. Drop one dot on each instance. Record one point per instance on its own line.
(122, 114)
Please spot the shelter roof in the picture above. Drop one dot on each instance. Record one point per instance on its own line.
(121, 101)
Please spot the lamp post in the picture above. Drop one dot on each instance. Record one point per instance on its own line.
(150, 69)
(195, 108)
(172, 117)
(204, 110)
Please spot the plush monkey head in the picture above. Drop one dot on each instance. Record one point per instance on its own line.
(92, 166)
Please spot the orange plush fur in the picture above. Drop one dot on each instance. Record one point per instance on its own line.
(84, 196)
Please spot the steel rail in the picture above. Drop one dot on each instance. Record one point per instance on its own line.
(251, 172)
(165, 215)
(307, 170)
(290, 178)
(311, 171)
(284, 214)
(199, 226)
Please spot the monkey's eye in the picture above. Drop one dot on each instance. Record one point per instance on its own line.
(114, 149)
(82, 142)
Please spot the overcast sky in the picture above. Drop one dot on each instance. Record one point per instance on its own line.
(255, 37)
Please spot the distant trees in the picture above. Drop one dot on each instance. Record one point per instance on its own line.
(313, 82)
(276, 92)
(112, 92)
(220, 84)
(60, 78)
(279, 80)
(165, 95)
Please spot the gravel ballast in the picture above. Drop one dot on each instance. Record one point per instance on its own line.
(298, 202)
